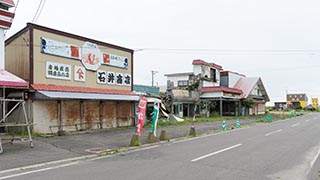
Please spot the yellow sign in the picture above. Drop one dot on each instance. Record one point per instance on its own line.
(315, 103)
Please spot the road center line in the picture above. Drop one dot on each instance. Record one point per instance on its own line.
(279, 130)
(294, 125)
(214, 153)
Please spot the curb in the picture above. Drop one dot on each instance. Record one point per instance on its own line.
(47, 164)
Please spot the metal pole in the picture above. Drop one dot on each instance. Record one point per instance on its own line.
(220, 106)
(4, 104)
(153, 73)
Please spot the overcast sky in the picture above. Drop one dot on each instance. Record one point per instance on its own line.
(277, 40)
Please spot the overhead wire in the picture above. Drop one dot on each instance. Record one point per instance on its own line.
(39, 10)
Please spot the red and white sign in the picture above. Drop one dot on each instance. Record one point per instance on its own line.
(5, 19)
(141, 114)
(91, 56)
(79, 73)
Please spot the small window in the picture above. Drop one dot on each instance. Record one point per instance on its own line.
(183, 83)
(213, 74)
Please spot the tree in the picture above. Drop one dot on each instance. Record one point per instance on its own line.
(247, 103)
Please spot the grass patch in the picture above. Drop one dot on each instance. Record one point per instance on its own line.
(111, 152)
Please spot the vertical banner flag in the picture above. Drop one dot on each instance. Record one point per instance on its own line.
(155, 117)
(141, 114)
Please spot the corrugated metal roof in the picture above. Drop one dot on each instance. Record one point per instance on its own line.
(46, 87)
(248, 84)
(78, 95)
(11, 80)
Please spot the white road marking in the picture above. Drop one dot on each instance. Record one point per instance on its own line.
(294, 125)
(48, 164)
(273, 132)
(307, 120)
(36, 171)
(313, 161)
(214, 153)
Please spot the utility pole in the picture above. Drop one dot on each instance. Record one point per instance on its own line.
(153, 73)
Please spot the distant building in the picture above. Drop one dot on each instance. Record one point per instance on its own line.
(214, 90)
(146, 90)
(315, 103)
(280, 105)
(297, 100)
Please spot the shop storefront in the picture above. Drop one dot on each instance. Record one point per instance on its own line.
(76, 83)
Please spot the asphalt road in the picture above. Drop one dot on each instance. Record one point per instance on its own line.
(281, 150)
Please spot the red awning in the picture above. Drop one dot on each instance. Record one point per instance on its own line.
(10, 80)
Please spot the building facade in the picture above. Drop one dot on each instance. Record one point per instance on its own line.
(297, 100)
(75, 82)
(217, 91)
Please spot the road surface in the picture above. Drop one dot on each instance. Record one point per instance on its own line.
(281, 150)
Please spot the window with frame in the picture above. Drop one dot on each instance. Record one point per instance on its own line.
(183, 83)
(213, 74)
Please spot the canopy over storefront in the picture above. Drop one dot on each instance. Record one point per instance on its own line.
(10, 80)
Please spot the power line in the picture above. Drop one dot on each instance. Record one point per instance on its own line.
(231, 51)
(39, 10)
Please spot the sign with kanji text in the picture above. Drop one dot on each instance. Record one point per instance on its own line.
(79, 73)
(119, 79)
(141, 114)
(111, 78)
(101, 77)
(58, 70)
(127, 79)
(115, 60)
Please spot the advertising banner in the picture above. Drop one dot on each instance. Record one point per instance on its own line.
(115, 60)
(155, 116)
(141, 114)
(57, 48)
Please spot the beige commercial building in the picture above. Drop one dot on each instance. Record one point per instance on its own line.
(74, 82)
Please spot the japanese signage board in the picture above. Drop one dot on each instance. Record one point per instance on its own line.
(115, 60)
(58, 71)
(79, 73)
(57, 48)
(141, 114)
(112, 78)
(101, 77)
(91, 56)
